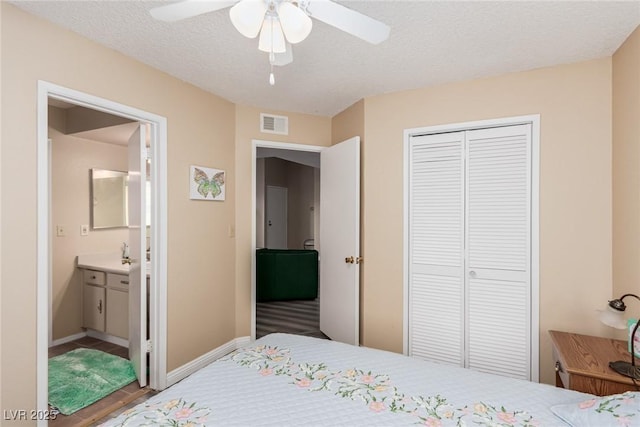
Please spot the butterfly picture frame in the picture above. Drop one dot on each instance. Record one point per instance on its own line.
(206, 183)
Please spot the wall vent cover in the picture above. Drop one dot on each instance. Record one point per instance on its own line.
(270, 123)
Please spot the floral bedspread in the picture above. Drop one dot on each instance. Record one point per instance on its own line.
(282, 379)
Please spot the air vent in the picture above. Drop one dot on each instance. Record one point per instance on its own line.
(274, 124)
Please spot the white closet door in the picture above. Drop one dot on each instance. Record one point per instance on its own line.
(436, 265)
(498, 205)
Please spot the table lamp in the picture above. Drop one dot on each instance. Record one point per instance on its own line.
(613, 316)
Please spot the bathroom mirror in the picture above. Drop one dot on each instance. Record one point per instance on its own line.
(108, 199)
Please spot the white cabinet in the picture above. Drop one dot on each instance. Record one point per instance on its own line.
(118, 313)
(93, 303)
(117, 322)
(105, 302)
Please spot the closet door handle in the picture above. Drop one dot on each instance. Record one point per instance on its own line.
(473, 274)
(100, 307)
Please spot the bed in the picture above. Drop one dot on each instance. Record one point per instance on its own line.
(284, 379)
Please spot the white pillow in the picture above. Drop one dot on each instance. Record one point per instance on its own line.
(615, 410)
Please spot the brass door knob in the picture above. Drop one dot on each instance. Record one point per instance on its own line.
(359, 260)
(349, 260)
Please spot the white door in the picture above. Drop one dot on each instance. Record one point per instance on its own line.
(137, 250)
(340, 241)
(436, 245)
(469, 240)
(498, 245)
(276, 218)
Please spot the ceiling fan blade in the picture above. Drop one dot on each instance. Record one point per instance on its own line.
(187, 9)
(348, 20)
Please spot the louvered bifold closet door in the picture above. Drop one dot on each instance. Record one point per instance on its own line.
(498, 236)
(436, 207)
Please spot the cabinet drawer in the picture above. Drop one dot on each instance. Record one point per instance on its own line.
(93, 277)
(118, 281)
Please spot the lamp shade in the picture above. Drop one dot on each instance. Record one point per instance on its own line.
(613, 318)
(271, 36)
(296, 24)
(247, 16)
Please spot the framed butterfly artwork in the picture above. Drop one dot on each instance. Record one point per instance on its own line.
(206, 183)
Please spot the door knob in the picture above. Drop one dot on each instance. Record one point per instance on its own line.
(472, 274)
(349, 260)
(126, 261)
(359, 260)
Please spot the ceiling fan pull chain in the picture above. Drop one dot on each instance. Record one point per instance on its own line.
(272, 58)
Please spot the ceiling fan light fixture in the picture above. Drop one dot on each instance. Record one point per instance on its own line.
(296, 24)
(284, 58)
(247, 16)
(271, 36)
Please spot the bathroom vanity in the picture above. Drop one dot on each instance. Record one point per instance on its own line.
(105, 294)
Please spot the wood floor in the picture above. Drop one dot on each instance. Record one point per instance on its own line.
(300, 317)
(112, 404)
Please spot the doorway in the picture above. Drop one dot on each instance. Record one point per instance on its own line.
(285, 190)
(157, 240)
(338, 185)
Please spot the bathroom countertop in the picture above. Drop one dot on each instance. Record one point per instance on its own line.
(109, 263)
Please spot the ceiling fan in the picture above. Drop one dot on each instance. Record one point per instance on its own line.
(280, 23)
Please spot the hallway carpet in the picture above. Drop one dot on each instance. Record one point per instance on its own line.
(293, 317)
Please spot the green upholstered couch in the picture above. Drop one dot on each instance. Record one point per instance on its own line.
(286, 274)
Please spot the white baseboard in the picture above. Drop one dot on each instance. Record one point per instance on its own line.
(200, 362)
(108, 338)
(68, 339)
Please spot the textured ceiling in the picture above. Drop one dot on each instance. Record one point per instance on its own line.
(431, 42)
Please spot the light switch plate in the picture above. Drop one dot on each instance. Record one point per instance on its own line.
(84, 230)
(61, 230)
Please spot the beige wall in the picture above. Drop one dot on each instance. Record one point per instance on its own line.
(201, 126)
(298, 179)
(574, 103)
(71, 160)
(300, 182)
(626, 171)
(348, 123)
(303, 129)
(275, 172)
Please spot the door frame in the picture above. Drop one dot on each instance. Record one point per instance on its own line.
(255, 144)
(534, 121)
(158, 280)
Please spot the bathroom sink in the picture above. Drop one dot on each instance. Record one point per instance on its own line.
(110, 263)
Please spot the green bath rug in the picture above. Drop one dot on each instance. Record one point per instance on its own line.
(83, 376)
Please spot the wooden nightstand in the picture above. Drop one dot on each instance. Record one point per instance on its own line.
(582, 363)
